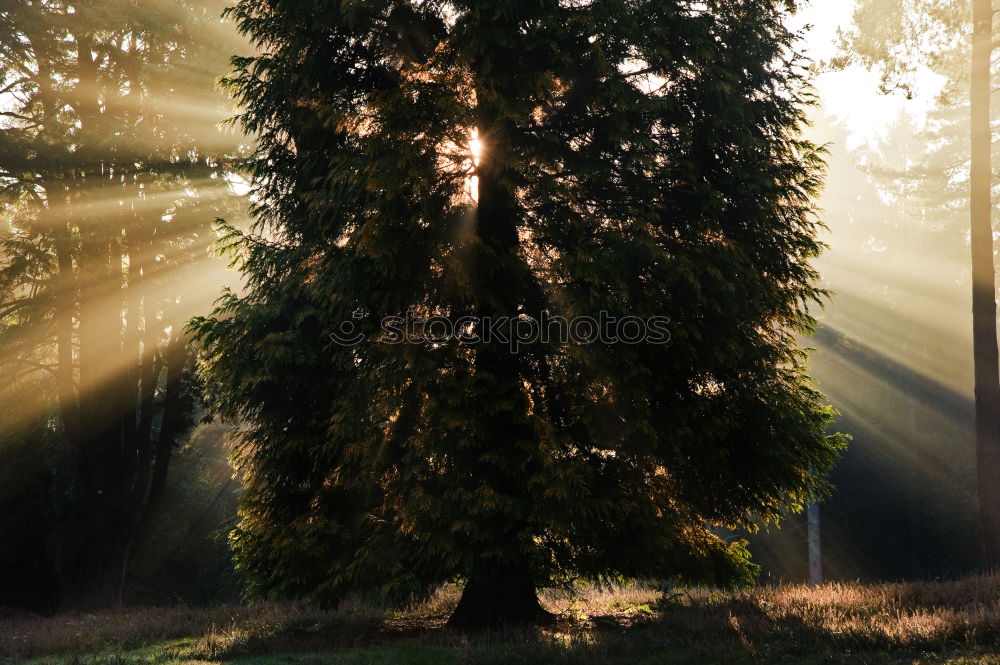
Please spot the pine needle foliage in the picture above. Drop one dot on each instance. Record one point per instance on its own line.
(641, 158)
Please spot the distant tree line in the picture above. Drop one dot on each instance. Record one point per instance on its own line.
(112, 170)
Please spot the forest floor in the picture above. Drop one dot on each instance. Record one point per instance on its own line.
(953, 623)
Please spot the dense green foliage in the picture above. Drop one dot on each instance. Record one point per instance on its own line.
(641, 159)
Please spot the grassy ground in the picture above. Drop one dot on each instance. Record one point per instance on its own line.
(953, 623)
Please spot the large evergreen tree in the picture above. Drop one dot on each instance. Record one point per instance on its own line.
(640, 159)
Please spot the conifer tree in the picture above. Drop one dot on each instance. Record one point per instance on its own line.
(638, 159)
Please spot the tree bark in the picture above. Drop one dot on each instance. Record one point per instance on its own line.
(984, 309)
(154, 479)
(503, 597)
(55, 215)
(69, 406)
(170, 427)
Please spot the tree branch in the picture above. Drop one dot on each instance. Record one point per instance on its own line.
(12, 114)
(13, 307)
(51, 369)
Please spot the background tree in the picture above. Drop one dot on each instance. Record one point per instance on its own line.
(111, 169)
(894, 347)
(639, 159)
(946, 36)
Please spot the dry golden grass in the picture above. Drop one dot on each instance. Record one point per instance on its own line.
(916, 614)
(28, 635)
(883, 623)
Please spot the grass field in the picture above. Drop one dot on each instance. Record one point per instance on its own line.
(954, 623)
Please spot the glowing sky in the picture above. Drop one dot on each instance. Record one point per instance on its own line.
(852, 96)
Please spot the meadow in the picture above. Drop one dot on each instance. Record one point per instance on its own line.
(947, 622)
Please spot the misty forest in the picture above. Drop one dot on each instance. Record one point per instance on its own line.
(499, 331)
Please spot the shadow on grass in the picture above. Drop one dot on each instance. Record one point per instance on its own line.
(954, 623)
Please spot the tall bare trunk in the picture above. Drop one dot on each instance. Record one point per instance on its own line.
(984, 308)
(69, 406)
(176, 359)
(107, 464)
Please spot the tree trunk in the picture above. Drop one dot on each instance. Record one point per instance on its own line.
(69, 407)
(815, 544)
(147, 504)
(502, 598)
(984, 309)
(66, 303)
(498, 595)
(107, 464)
(176, 362)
